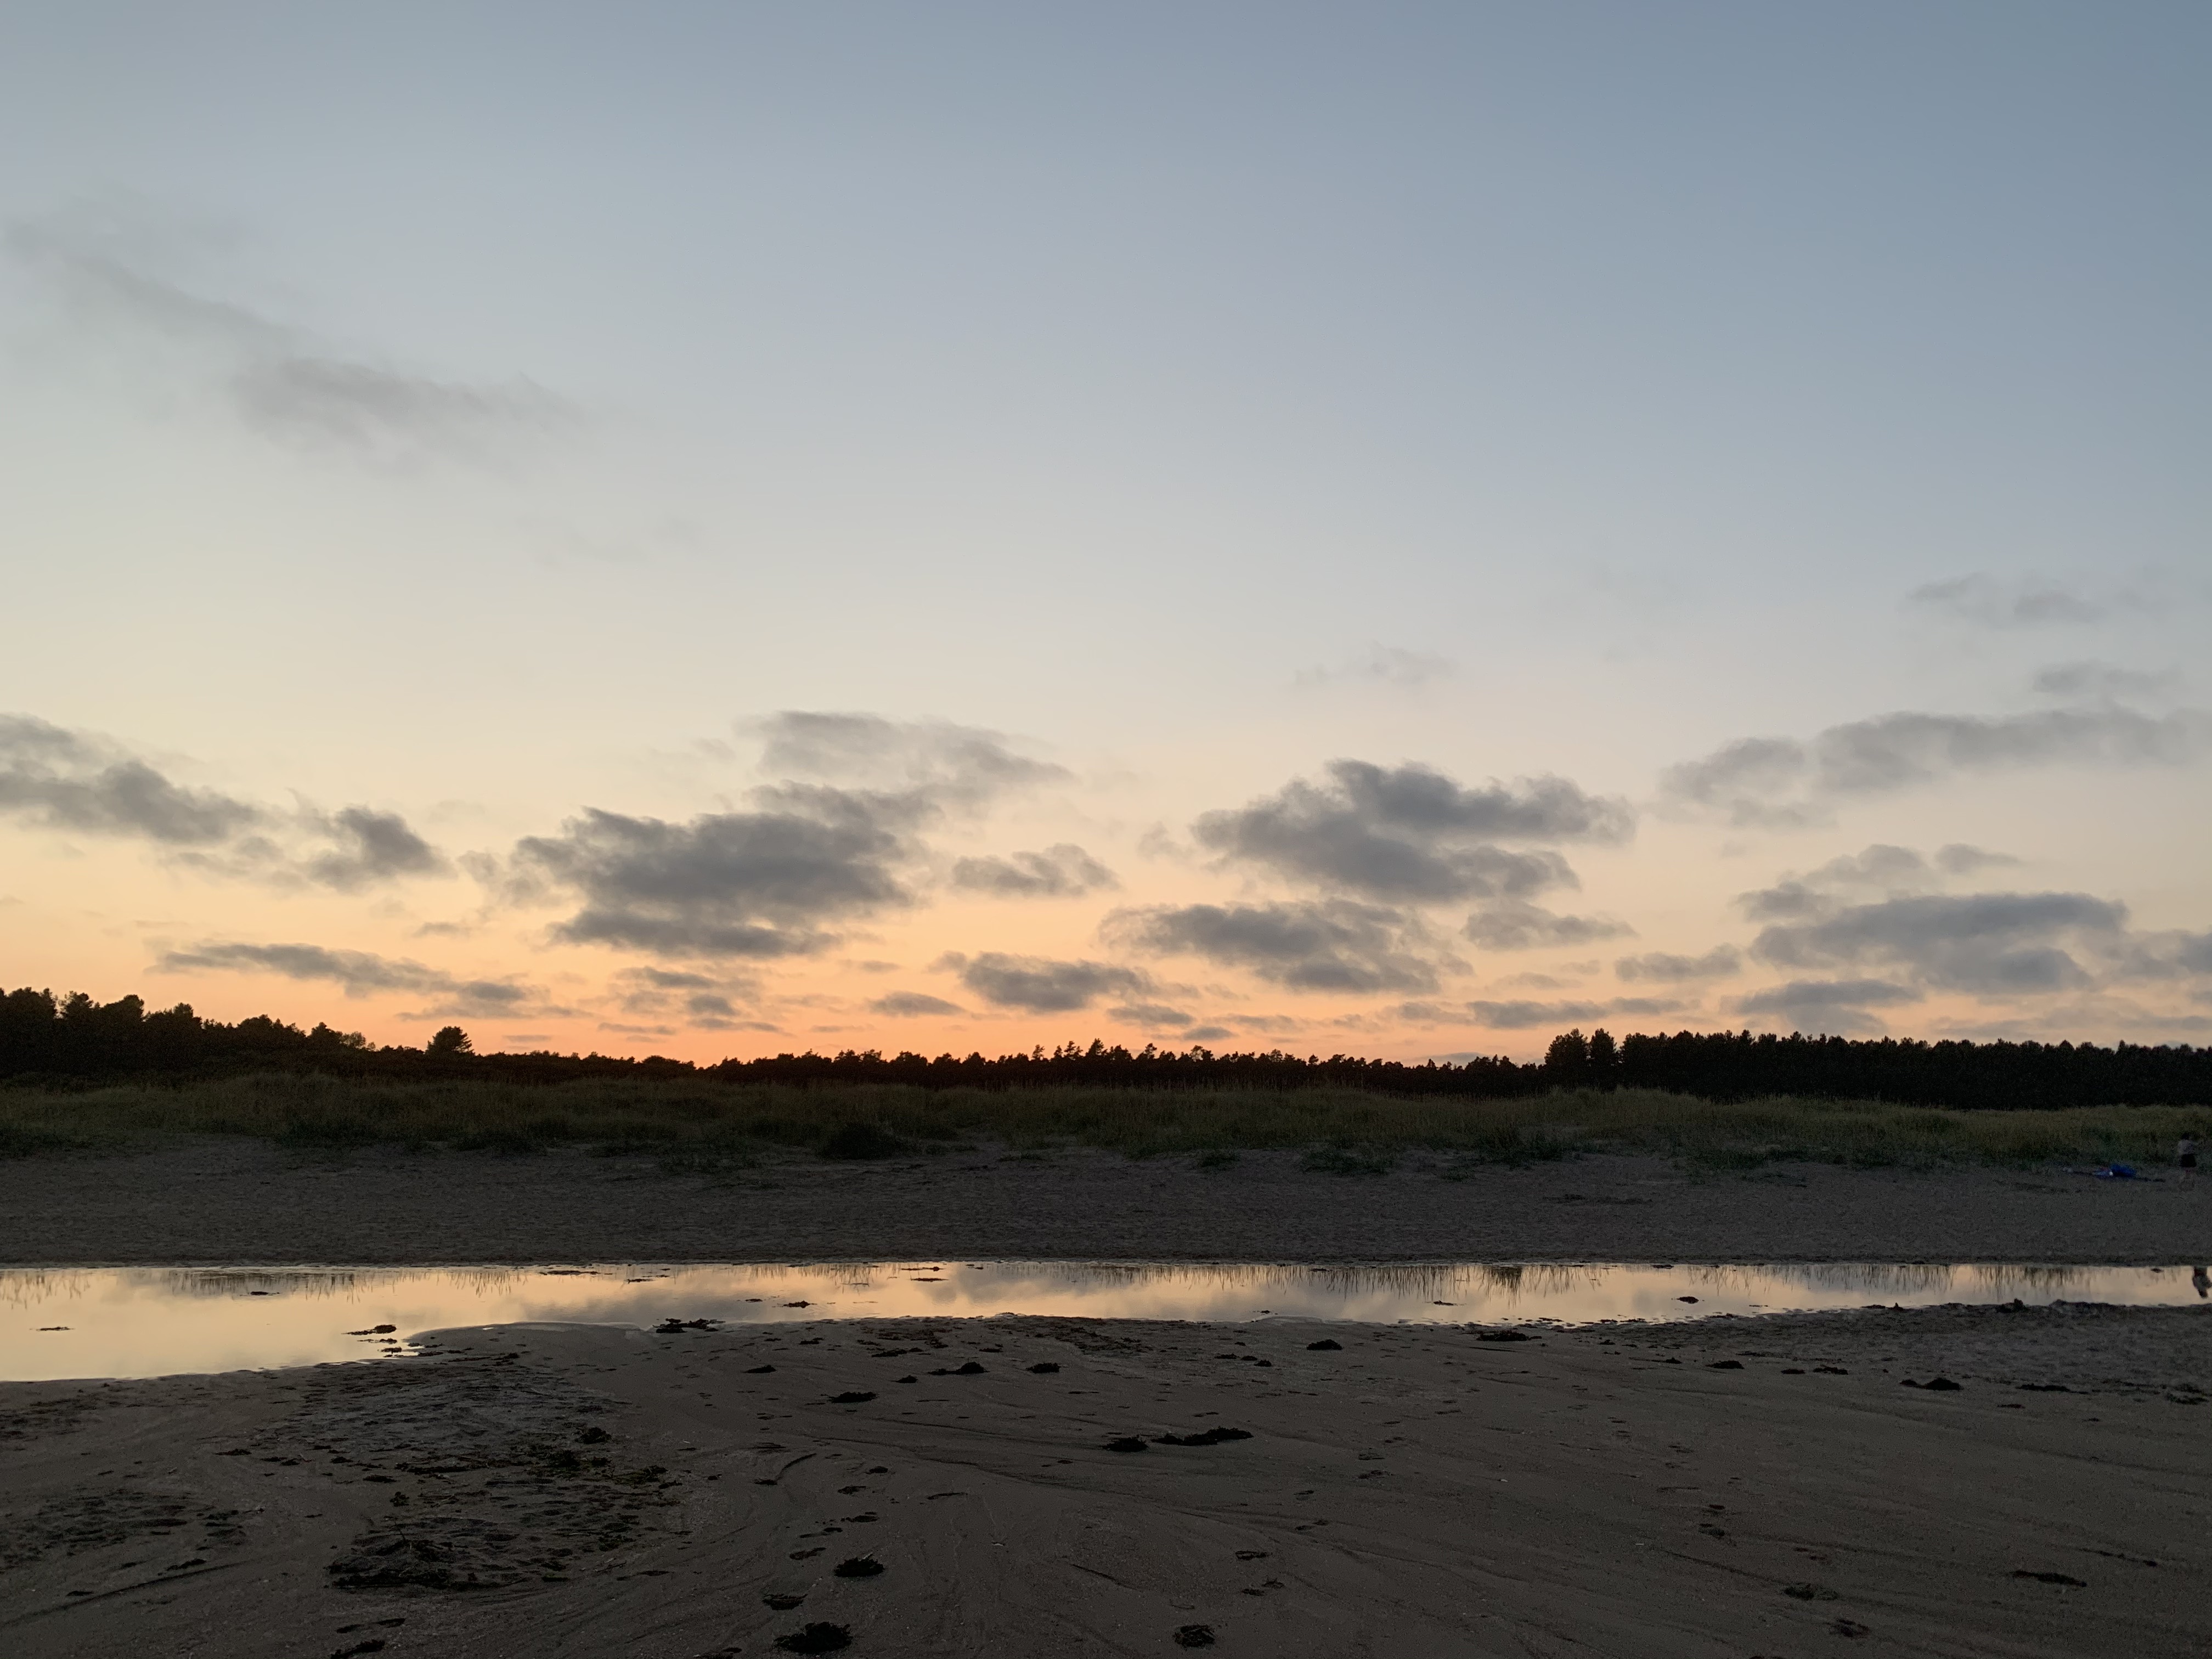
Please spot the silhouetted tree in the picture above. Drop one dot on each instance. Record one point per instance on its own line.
(1604, 1061)
(1566, 1062)
(74, 1039)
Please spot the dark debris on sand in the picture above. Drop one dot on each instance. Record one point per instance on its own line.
(820, 1637)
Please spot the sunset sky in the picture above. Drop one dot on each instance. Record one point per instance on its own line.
(1393, 529)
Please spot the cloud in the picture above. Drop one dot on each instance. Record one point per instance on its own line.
(749, 885)
(1983, 942)
(666, 979)
(1837, 1007)
(701, 1001)
(1782, 783)
(81, 781)
(1038, 985)
(372, 846)
(1959, 859)
(1987, 602)
(773, 882)
(948, 764)
(357, 974)
(2096, 679)
(1511, 925)
(75, 781)
(1384, 664)
(1335, 945)
(1880, 868)
(1063, 870)
(1409, 833)
(100, 265)
(1524, 1015)
(1722, 961)
(907, 1005)
(1154, 1015)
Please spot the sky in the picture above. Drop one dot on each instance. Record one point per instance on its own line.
(722, 530)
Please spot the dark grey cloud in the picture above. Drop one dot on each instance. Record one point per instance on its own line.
(102, 266)
(75, 781)
(1780, 782)
(89, 784)
(700, 1001)
(1334, 944)
(1039, 985)
(1514, 926)
(357, 974)
(1409, 833)
(1659, 967)
(371, 846)
(775, 880)
(907, 1005)
(670, 979)
(1991, 602)
(1062, 871)
(1836, 1008)
(757, 884)
(1983, 943)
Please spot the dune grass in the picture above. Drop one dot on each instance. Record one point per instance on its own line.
(700, 1124)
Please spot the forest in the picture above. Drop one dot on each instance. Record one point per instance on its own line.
(47, 1042)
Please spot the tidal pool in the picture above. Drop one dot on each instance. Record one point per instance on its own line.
(156, 1321)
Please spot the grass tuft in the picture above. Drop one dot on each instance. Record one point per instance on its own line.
(707, 1128)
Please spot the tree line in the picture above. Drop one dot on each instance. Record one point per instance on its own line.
(74, 1041)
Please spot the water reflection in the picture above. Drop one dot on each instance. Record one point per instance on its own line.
(143, 1322)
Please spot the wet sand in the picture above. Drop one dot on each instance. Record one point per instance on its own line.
(220, 1201)
(551, 1490)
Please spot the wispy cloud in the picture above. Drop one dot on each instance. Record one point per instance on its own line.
(1063, 870)
(1987, 601)
(1786, 783)
(101, 263)
(1383, 665)
(360, 973)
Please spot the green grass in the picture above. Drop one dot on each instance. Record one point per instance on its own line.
(703, 1127)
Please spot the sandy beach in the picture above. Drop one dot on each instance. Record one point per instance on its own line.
(1025, 1487)
(240, 1201)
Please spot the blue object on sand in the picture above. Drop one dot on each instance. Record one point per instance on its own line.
(2119, 1172)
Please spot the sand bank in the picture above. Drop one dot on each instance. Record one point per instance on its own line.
(541, 1490)
(239, 1202)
